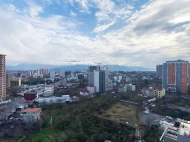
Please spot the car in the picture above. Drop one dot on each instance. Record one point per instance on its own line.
(167, 117)
(146, 112)
(11, 118)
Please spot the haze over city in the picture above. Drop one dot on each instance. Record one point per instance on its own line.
(69, 32)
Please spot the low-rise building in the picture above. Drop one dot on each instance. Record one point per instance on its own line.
(15, 82)
(83, 92)
(159, 92)
(120, 89)
(49, 90)
(180, 132)
(147, 92)
(29, 96)
(31, 114)
(54, 100)
(131, 87)
(91, 89)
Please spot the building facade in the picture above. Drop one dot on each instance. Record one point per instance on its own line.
(15, 82)
(176, 76)
(91, 70)
(102, 81)
(31, 114)
(2, 77)
(9, 76)
(105, 68)
(62, 74)
(159, 92)
(159, 71)
(96, 78)
(30, 73)
(44, 71)
(52, 74)
(29, 96)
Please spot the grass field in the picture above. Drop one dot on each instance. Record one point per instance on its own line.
(47, 135)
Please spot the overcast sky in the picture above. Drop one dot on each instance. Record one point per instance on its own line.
(65, 32)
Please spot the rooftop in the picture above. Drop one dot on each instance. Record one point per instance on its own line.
(31, 110)
(182, 129)
(158, 88)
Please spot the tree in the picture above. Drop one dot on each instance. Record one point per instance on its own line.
(188, 90)
(178, 92)
(169, 91)
(14, 91)
(146, 82)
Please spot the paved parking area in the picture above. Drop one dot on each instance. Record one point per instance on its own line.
(151, 118)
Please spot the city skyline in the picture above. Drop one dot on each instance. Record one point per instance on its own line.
(89, 32)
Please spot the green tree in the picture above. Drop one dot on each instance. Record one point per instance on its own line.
(188, 90)
(169, 91)
(146, 82)
(178, 92)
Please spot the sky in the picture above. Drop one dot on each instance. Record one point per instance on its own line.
(119, 32)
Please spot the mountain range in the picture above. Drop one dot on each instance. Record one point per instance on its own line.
(74, 67)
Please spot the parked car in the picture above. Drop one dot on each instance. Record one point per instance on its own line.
(146, 112)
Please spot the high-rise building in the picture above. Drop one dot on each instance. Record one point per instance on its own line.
(9, 76)
(176, 76)
(52, 74)
(102, 81)
(91, 70)
(105, 68)
(44, 71)
(30, 73)
(2, 77)
(159, 71)
(62, 74)
(96, 78)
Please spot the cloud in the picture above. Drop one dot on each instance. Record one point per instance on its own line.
(161, 28)
(72, 13)
(110, 13)
(104, 27)
(157, 32)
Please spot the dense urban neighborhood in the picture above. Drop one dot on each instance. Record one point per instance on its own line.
(96, 104)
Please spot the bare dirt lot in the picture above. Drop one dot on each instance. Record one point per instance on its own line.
(122, 112)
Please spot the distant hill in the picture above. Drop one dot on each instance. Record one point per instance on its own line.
(29, 67)
(74, 67)
(111, 68)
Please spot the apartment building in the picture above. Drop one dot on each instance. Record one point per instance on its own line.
(159, 71)
(159, 92)
(2, 77)
(176, 75)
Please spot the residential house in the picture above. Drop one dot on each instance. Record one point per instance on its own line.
(83, 92)
(147, 92)
(31, 114)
